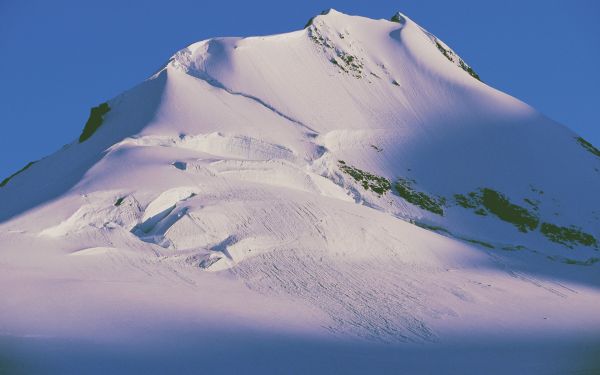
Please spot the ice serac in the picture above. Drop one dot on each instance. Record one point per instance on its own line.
(356, 170)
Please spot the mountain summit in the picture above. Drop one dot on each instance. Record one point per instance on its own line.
(355, 179)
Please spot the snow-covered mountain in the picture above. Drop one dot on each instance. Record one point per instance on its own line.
(355, 180)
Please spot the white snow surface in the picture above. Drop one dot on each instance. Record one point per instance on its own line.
(210, 211)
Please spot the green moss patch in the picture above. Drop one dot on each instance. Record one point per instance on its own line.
(309, 22)
(587, 262)
(470, 200)
(405, 189)
(451, 56)
(487, 200)
(534, 203)
(445, 231)
(513, 248)
(468, 69)
(568, 236)
(588, 146)
(536, 190)
(434, 228)
(368, 181)
(500, 206)
(396, 18)
(444, 51)
(477, 242)
(94, 121)
(348, 63)
(7, 179)
(318, 39)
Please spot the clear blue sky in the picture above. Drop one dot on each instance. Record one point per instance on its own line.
(61, 57)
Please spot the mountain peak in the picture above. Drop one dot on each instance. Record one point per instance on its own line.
(327, 12)
(352, 169)
(399, 18)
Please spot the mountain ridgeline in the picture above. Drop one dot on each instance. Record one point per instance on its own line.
(353, 179)
(448, 177)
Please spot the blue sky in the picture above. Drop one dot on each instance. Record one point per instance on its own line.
(59, 58)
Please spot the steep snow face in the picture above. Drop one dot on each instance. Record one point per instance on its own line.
(392, 100)
(292, 169)
(382, 97)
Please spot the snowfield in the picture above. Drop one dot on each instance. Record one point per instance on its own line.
(347, 198)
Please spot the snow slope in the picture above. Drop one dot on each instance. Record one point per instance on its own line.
(352, 182)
